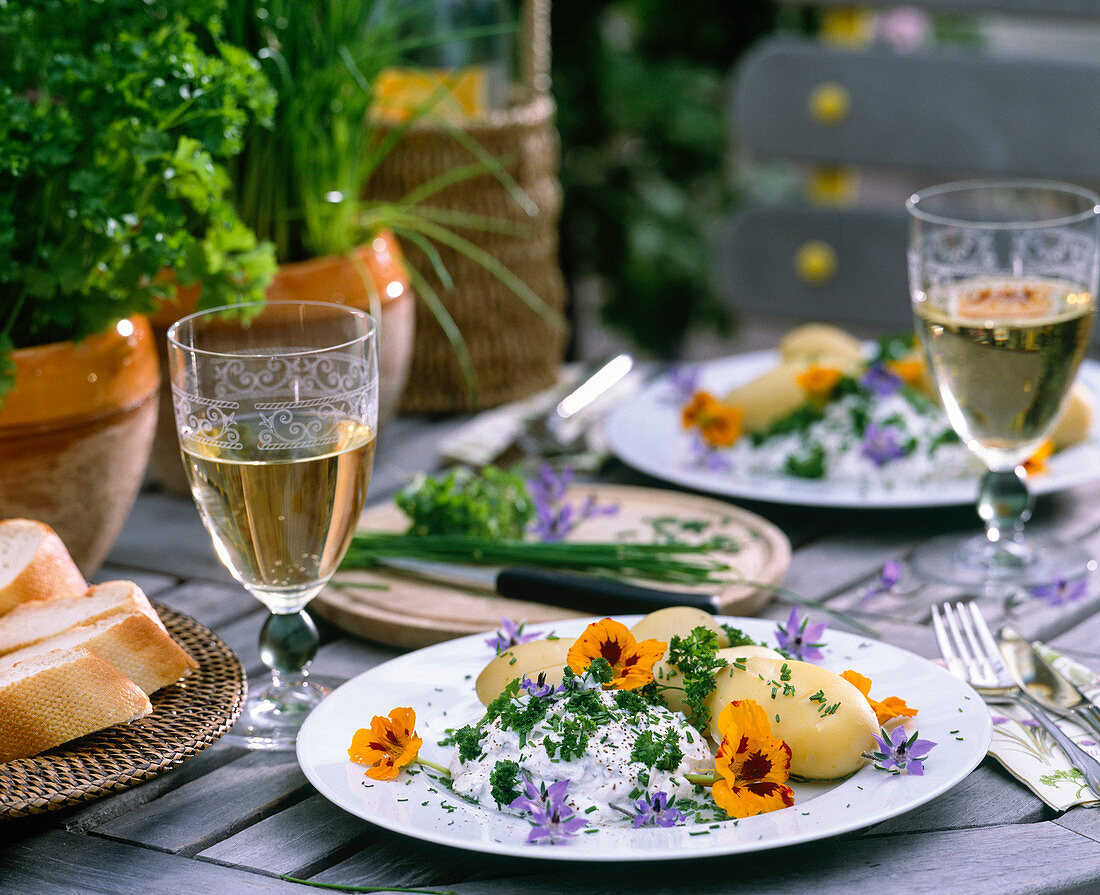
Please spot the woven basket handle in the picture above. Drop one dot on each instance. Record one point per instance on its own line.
(535, 58)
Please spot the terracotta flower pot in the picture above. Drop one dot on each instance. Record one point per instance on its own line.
(375, 281)
(75, 434)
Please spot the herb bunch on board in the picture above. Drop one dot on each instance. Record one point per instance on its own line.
(115, 120)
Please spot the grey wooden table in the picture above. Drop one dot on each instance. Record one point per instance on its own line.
(228, 821)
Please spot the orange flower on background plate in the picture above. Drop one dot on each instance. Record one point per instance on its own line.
(818, 382)
(719, 423)
(1037, 462)
(911, 372)
(387, 745)
(631, 661)
(753, 764)
(888, 709)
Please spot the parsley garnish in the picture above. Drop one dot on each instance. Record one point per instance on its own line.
(503, 778)
(696, 658)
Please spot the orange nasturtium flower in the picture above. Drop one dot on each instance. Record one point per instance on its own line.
(1037, 462)
(754, 765)
(388, 745)
(818, 382)
(719, 423)
(888, 709)
(911, 372)
(631, 661)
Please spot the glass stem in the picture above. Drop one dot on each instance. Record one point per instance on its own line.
(288, 643)
(1004, 504)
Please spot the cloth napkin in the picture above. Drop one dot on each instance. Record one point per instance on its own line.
(1030, 754)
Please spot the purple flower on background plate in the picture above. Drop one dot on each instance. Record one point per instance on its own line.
(706, 456)
(684, 381)
(657, 811)
(887, 580)
(551, 819)
(881, 444)
(1061, 591)
(801, 639)
(898, 753)
(880, 380)
(510, 634)
(554, 516)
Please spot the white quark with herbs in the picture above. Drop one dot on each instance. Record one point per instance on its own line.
(624, 752)
(877, 441)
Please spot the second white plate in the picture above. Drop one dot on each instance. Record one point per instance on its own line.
(645, 433)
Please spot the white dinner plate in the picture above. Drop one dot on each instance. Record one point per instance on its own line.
(645, 432)
(438, 683)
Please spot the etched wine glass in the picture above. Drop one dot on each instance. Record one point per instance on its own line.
(1003, 279)
(276, 412)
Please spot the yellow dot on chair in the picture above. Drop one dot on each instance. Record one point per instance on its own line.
(815, 262)
(829, 104)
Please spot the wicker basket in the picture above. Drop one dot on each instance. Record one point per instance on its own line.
(515, 350)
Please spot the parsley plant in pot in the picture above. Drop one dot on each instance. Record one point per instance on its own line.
(111, 140)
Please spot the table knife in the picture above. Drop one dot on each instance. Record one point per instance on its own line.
(1046, 684)
(585, 593)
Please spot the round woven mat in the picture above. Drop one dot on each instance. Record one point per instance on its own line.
(187, 717)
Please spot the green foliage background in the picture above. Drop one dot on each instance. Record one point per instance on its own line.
(642, 93)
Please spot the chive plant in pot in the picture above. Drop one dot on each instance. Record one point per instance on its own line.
(111, 141)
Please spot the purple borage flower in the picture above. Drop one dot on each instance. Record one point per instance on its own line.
(551, 819)
(881, 381)
(887, 580)
(554, 516)
(538, 688)
(510, 634)
(898, 753)
(881, 445)
(801, 639)
(684, 381)
(707, 457)
(655, 810)
(1061, 591)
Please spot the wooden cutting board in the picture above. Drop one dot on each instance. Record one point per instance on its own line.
(407, 612)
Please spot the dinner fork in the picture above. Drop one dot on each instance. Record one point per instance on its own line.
(968, 648)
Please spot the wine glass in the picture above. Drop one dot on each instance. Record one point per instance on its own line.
(276, 409)
(1003, 277)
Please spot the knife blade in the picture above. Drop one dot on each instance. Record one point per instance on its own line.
(1046, 684)
(569, 590)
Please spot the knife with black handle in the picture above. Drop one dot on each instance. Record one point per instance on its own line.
(585, 593)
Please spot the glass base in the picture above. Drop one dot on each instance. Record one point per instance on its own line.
(273, 714)
(975, 562)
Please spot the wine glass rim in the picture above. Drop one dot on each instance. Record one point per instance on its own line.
(912, 204)
(372, 327)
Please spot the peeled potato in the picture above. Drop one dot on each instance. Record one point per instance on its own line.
(517, 661)
(732, 653)
(770, 396)
(663, 624)
(817, 340)
(1074, 420)
(823, 746)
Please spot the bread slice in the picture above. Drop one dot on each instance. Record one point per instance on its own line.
(141, 650)
(59, 696)
(38, 620)
(34, 565)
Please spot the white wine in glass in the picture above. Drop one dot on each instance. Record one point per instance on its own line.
(276, 412)
(1003, 276)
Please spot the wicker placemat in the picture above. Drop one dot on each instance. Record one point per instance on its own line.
(187, 717)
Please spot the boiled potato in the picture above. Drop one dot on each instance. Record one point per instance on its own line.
(819, 340)
(517, 661)
(663, 624)
(1074, 420)
(823, 746)
(732, 653)
(776, 394)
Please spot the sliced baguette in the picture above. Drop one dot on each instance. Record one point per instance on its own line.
(38, 620)
(59, 696)
(34, 565)
(141, 650)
